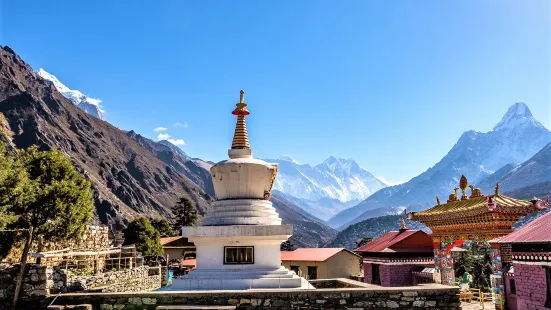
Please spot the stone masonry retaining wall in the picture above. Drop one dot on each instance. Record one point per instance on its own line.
(132, 280)
(40, 281)
(36, 282)
(431, 296)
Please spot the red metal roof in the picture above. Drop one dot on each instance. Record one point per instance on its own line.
(168, 240)
(311, 254)
(190, 262)
(539, 230)
(390, 242)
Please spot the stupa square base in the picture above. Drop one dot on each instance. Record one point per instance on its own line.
(244, 279)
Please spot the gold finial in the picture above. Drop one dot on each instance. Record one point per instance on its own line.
(437, 200)
(242, 96)
(496, 190)
(403, 227)
(455, 192)
(463, 183)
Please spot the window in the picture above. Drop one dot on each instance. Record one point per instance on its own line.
(238, 255)
(512, 286)
(312, 272)
(295, 269)
(375, 274)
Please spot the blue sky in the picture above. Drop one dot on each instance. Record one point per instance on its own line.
(391, 85)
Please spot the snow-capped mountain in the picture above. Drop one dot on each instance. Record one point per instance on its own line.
(537, 169)
(517, 137)
(327, 188)
(85, 103)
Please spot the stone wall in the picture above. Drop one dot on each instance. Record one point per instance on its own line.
(531, 285)
(37, 281)
(40, 281)
(133, 280)
(429, 296)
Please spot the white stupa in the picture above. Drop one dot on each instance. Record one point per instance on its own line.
(238, 242)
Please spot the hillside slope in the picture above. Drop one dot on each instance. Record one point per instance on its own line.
(128, 179)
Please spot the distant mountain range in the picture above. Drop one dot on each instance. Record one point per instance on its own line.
(516, 138)
(327, 188)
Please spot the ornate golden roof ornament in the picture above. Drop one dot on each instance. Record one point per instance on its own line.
(463, 183)
(475, 192)
(496, 190)
(455, 193)
(404, 226)
(437, 201)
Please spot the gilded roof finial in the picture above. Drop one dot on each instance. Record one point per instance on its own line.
(496, 190)
(403, 227)
(437, 200)
(242, 96)
(463, 183)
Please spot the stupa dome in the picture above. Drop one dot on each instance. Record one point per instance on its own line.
(243, 178)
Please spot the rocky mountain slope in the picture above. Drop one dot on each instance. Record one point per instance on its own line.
(327, 188)
(536, 169)
(309, 231)
(85, 103)
(517, 137)
(373, 228)
(127, 176)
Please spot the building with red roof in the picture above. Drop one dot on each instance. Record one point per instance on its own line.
(526, 260)
(398, 258)
(322, 263)
(178, 248)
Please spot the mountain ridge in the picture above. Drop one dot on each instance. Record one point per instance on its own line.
(476, 155)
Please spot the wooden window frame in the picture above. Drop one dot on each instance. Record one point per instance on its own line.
(373, 268)
(308, 270)
(238, 247)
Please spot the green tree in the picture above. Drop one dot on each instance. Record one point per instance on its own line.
(163, 227)
(185, 213)
(55, 203)
(12, 178)
(144, 236)
(287, 245)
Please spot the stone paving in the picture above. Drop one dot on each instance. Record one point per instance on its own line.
(477, 306)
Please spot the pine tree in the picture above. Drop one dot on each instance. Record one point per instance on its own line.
(287, 245)
(55, 202)
(185, 213)
(144, 236)
(163, 227)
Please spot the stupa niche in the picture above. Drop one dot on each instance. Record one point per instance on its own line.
(238, 242)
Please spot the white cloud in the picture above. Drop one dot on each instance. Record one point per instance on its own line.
(183, 125)
(157, 129)
(163, 136)
(177, 141)
(389, 183)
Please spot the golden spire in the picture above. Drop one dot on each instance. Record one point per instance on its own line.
(240, 136)
(496, 189)
(403, 227)
(437, 200)
(463, 183)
